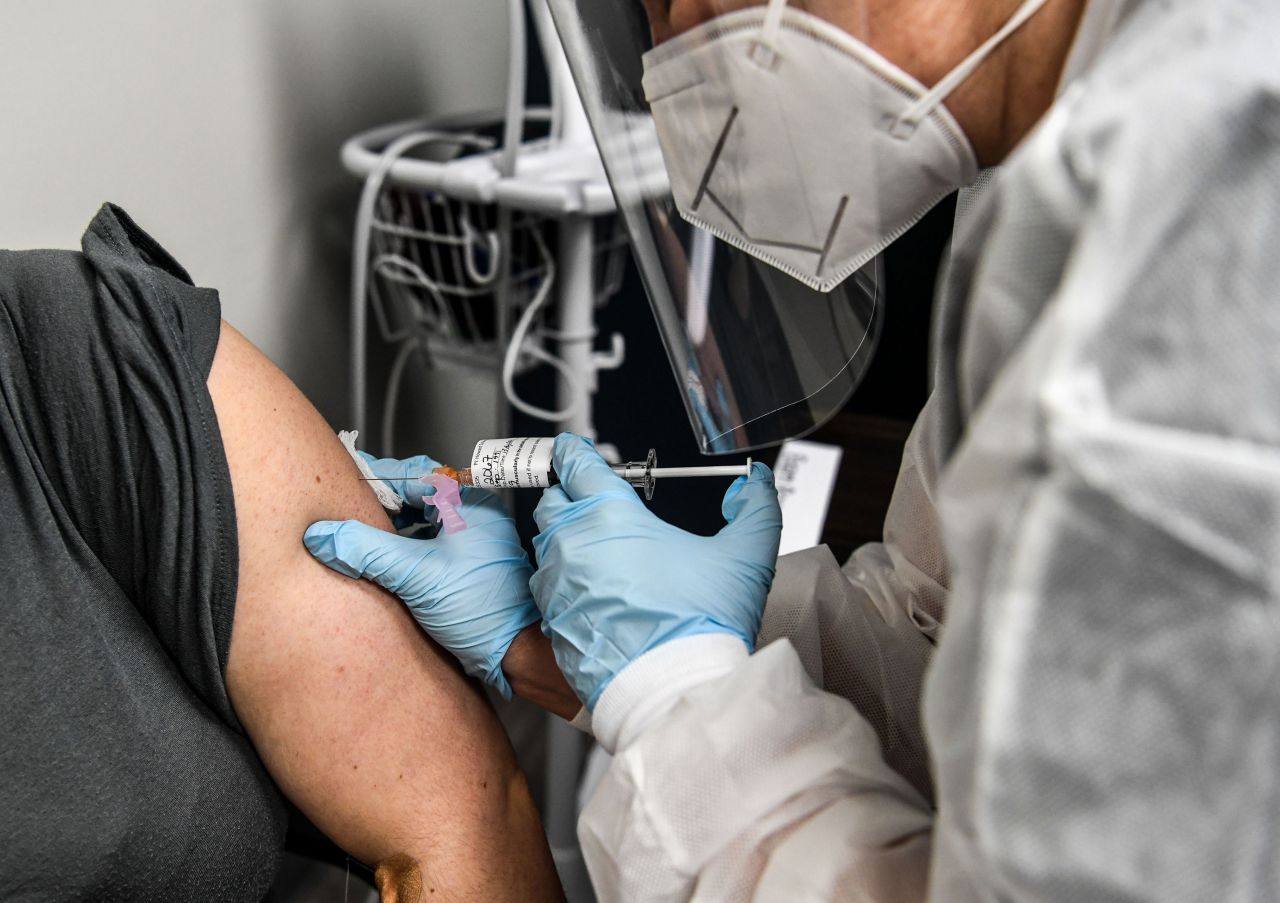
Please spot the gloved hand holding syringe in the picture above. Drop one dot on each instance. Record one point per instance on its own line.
(526, 464)
(470, 584)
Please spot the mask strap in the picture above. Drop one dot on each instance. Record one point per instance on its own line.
(765, 48)
(905, 125)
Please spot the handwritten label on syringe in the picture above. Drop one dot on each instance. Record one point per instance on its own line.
(512, 463)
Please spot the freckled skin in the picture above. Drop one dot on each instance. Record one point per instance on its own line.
(326, 672)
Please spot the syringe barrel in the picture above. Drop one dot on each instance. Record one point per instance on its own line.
(513, 463)
(465, 477)
(525, 463)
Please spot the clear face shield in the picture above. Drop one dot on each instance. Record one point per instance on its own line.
(762, 156)
(760, 353)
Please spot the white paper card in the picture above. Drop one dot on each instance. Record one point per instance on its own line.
(806, 477)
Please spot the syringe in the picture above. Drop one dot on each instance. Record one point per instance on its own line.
(526, 464)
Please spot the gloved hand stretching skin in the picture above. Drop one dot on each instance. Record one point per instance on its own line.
(469, 591)
(615, 581)
(404, 478)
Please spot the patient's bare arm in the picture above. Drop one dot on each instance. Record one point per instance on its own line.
(368, 726)
(530, 666)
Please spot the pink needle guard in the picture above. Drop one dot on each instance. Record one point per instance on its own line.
(448, 499)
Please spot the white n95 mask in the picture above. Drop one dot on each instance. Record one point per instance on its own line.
(791, 140)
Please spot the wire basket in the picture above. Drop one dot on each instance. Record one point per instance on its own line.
(436, 267)
(458, 249)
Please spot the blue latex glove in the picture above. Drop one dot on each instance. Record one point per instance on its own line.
(404, 475)
(614, 581)
(469, 591)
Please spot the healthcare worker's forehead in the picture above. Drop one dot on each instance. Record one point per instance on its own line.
(669, 18)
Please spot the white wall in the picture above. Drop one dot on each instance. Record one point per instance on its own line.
(217, 125)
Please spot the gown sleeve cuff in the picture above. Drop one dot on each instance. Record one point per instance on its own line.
(651, 684)
(582, 721)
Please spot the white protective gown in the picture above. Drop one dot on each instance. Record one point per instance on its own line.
(1101, 462)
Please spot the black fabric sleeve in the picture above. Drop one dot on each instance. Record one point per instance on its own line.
(118, 345)
(127, 776)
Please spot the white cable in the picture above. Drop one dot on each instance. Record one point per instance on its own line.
(384, 263)
(392, 399)
(521, 334)
(360, 253)
(471, 233)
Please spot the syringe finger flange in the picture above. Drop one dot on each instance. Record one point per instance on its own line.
(639, 473)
